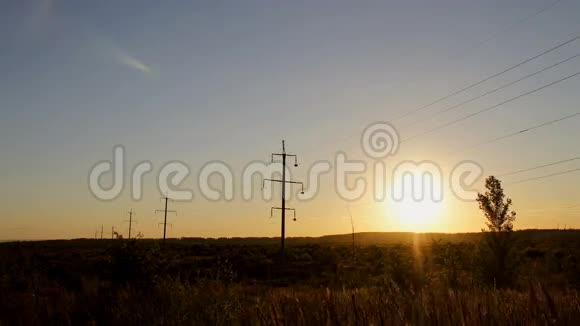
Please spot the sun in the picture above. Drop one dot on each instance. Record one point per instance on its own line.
(416, 216)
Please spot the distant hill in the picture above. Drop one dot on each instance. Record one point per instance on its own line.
(387, 238)
(363, 238)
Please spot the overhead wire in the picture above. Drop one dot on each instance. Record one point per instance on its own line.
(493, 76)
(528, 17)
(546, 176)
(516, 133)
(490, 108)
(493, 90)
(488, 78)
(540, 166)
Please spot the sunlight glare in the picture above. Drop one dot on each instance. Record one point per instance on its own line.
(414, 215)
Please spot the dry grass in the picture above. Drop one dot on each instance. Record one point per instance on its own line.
(137, 284)
(429, 306)
(177, 303)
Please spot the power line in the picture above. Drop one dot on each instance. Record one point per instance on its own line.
(540, 166)
(491, 107)
(165, 211)
(284, 155)
(511, 26)
(493, 90)
(131, 213)
(546, 176)
(517, 133)
(482, 81)
(487, 78)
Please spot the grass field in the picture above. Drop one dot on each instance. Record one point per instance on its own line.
(389, 278)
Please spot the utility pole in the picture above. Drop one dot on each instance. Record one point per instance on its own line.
(130, 221)
(101, 231)
(352, 227)
(113, 232)
(284, 155)
(165, 211)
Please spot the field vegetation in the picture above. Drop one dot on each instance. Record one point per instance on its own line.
(387, 279)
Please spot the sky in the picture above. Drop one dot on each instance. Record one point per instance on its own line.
(201, 81)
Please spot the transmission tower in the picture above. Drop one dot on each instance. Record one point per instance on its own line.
(284, 155)
(130, 221)
(165, 211)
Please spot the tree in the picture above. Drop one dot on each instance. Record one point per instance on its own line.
(497, 211)
(497, 264)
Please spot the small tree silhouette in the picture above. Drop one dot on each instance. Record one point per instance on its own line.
(497, 267)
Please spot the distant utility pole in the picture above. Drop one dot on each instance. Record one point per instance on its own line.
(113, 232)
(101, 231)
(352, 227)
(165, 211)
(130, 221)
(284, 182)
